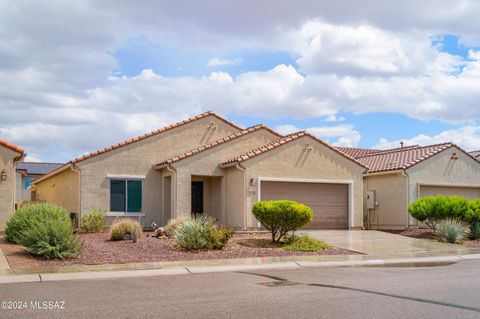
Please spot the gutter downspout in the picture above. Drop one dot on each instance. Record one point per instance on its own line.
(173, 206)
(404, 173)
(241, 168)
(16, 160)
(76, 170)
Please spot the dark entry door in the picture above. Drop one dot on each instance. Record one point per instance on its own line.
(197, 198)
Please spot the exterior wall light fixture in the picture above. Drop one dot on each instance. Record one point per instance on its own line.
(3, 176)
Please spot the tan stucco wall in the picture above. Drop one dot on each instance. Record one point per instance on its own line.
(138, 159)
(440, 169)
(207, 164)
(293, 162)
(391, 195)
(7, 188)
(62, 190)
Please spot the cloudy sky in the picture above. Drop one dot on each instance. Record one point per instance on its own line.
(79, 75)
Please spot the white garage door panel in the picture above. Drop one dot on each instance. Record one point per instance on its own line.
(329, 202)
(469, 192)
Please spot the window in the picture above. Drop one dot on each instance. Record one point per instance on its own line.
(125, 195)
(27, 181)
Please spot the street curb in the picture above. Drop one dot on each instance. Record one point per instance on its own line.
(186, 270)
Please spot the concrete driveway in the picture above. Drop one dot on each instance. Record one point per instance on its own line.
(372, 242)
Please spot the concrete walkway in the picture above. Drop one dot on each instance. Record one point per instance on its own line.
(372, 242)
(4, 266)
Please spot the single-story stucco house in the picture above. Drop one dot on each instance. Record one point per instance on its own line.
(208, 165)
(397, 177)
(9, 156)
(26, 172)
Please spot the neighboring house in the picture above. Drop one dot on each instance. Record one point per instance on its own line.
(397, 177)
(9, 156)
(475, 154)
(26, 173)
(208, 165)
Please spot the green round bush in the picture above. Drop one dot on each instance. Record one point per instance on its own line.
(29, 215)
(281, 216)
(45, 230)
(433, 209)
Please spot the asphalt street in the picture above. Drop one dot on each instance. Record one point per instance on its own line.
(446, 291)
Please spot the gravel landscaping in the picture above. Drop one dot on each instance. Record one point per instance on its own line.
(425, 233)
(98, 249)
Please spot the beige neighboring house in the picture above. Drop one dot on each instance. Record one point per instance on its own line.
(208, 165)
(397, 177)
(9, 156)
(26, 172)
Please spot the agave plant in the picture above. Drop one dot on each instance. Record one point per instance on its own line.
(452, 230)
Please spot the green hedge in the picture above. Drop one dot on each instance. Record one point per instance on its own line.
(281, 216)
(433, 209)
(45, 230)
(29, 215)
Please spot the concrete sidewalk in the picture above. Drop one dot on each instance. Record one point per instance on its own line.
(377, 248)
(251, 264)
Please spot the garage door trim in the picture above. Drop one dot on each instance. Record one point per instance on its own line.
(315, 181)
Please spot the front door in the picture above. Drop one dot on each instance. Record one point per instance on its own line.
(197, 198)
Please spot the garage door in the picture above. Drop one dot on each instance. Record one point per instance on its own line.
(470, 192)
(329, 202)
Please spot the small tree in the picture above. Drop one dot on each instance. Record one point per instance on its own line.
(433, 209)
(281, 216)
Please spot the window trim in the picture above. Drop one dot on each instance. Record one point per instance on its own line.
(125, 178)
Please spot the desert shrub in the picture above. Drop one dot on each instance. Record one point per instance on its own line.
(452, 230)
(173, 224)
(281, 216)
(51, 238)
(474, 232)
(94, 221)
(472, 215)
(124, 227)
(433, 209)
(201, 233)
(303, 243)
(27, 216)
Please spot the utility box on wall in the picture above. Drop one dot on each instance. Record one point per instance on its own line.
(371, 199)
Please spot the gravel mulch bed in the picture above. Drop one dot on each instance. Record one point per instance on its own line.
(421, 233)
(99, 250)
(428, 234)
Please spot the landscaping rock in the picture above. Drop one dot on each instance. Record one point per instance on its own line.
(159, 232)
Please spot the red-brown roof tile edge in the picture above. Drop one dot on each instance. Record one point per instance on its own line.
(211, 145)
(282, 141)
(446, 145)
(393, 150)
(11, 147)
(152, 133)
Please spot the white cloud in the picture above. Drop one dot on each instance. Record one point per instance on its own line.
(214, 62)
(467, 137)
(58, 94)
(339, 135)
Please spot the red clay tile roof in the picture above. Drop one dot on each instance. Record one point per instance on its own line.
(475, 154)
(214, 144)
(403, 158)
(11, 147)
(133, 140)
(150, 134)
(286, 139)
(356, 152)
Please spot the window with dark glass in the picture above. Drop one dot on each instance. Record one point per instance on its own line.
(125, 196)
